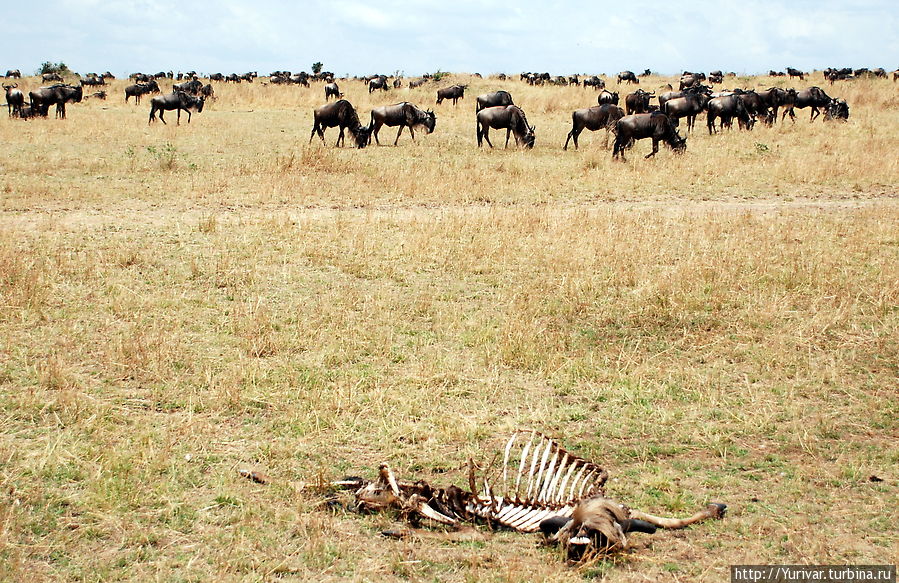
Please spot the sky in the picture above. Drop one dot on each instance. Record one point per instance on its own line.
(423, 36)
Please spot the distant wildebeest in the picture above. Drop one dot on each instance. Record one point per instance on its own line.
(215, 77)
(454, 92)
(813, 97)
(13, 74)
(47, 77)
(895, 75)
(879, 72)
(138, 90)
(97, 95)
(139, 77)
(398, 83)
(493, 99)
(574, 80)
(340, 114)
(193, 87)
(606, 96)
(15, 99)
(379, 82)
(627, 76)
(593, 118)
(837, 110)
(28, 112)
(689, 80)
(404, 115)
(795, 73)
(716, 77)
(638, 101)
(832, 75)
(177, 100)
(726, 109)
(691, 104)
(508, 117)
(755, 105)
(93, 81)
(332, 90)
(59, 95)
(248, 77)
(594, 82)
(417, 83)
(773, 73)
(207, 92)
(655, 125)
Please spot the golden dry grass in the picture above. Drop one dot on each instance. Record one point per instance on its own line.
(177, 303)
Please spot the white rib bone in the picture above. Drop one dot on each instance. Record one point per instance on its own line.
(555, 481)
(560, 497)
(535, 455)
(551, 471)
(524, 457)
(537, 484)
(574, 482)
(506, 461)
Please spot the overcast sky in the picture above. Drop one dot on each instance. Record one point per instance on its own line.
(418, 36)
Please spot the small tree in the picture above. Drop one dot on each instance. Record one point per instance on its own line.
(317, 68)
(48, 67)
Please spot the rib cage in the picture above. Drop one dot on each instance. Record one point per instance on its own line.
(538, 479)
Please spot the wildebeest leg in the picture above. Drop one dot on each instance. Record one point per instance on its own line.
(713, 510)
(509, 131)
(571, 134)
(655, 147)
(376, 129)
(401, 131)
(487, 135)
(339, 138)
(314, 128)
(411, 132)
(815, 113)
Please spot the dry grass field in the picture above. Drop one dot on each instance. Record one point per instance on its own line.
(181, 302)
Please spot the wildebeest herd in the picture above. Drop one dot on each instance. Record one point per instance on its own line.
(640, 118)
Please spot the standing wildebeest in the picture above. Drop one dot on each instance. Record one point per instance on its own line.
(593, 118)
(594, 82)
(628, 76)
(15, 99)
(795, 73)
(508, 117)
(454, 92)
(813, 97)
(775, 97)
(138, 90)
(606, 96)
(13, 74)
(689, 106)
(655, 125)
(493, 99)
(638, 101)
(379, 82)
(417, 83)
(332, 90)
(339, 114)
(60, 95)
(176, 100)
(193, 87)
(404, 115)
(716, 77)
(727, 108)
(207, 92)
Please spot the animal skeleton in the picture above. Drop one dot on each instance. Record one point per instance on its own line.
(540, 486)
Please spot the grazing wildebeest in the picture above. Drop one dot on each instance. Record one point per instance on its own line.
(193, 87)
(15, 99)
(60, 95)
(508, 117)
(627, 76)
(138, 90)
(93, 81)
(795, 73)
(593, 118)
(13, 74)
(332, 90)
(214, 77)
(177, 100)
(755, 105)
(493, 99)
(404, 115)
(340, 114)
(594, 82)
(638, 101)
(813, 97)
(727, 108)
(47, 77)
(417, 83)
(691, 104)
(837, 110)
(606, 96)
(454, 92)
(689, 80)
(655, 125)
(379, 82)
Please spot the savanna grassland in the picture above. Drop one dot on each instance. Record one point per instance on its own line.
(181, 302)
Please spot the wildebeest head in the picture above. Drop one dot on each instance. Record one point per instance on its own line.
(363, 135)
(430, 121)
(529, 137)
(678, 143)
